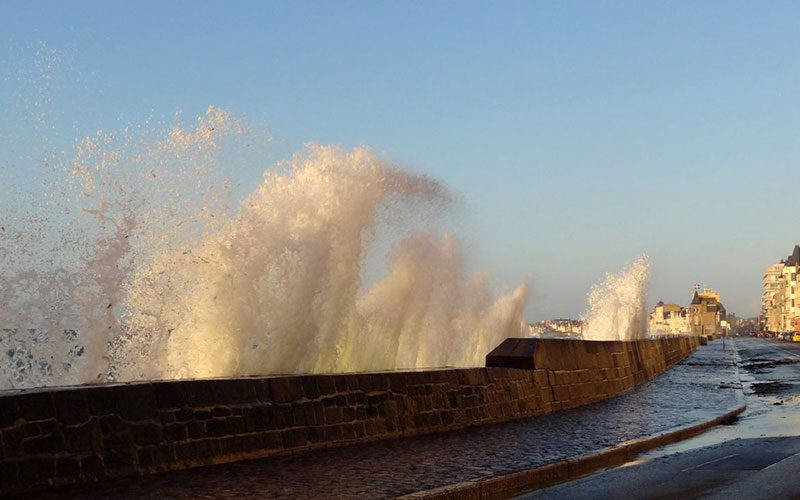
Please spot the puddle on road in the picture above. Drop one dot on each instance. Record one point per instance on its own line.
(771, 387)
(772, 394)
(762, 365)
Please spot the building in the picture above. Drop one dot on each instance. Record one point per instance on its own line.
(670, 319)
(780, 298)
(556, 326)
(789, 311)
(708, 293)
(707, 315)
(772, 299)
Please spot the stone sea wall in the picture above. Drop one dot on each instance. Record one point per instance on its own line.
(83, 434)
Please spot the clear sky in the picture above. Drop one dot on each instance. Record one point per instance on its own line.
(578, 134)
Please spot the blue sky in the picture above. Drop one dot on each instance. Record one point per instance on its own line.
(578, 134)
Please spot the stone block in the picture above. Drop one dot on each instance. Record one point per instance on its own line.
(326, 384)
(357, 398)
(137, 402)
(473, 377)
(333, 415)
(24, 430)
(199, 451)
(273, 440)
(43, 445)
(540, 377)
(68, 467)
(36, 470)
(92, 467)
(172, 433)
(348, 414)
(315, 434)
(555, 354)
(399, 384)
(513, 353)
(187, 451)
(376, 427)
(201, 415)
(583, 376)
(561, 393)
(545, 394)
(171, 395)
(145, 458)
(360, 382)
(36, 406)
(295, 438)
(71, 406)
(118, 441)
(147, 434)
(564, 377)
(167, 416)
(261, 387)
(575, 392)
(221, 411)
(101, 400)
(286, 389)
(378, 381)
(236, 425)
(216, 427)
(200, 393)
(196, 430)
(234, 391)
(120, 463)
(8, 472)
(81, 439)
(310, 386)
(333, 433)
(8, 412)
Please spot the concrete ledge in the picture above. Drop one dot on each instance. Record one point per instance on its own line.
(515, 483)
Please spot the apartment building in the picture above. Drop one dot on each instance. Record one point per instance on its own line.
(669, 318)
(780, 298)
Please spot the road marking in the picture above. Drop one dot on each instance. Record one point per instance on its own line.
(711, 462)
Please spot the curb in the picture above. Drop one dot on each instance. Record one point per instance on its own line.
(507, 485)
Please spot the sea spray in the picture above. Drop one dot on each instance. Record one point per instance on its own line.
(428, 312)
(140, 269)
(69, 253)
(618, 305)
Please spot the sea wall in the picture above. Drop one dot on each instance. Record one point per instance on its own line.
(83, 434)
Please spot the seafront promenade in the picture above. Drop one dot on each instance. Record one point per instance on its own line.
(704, 386)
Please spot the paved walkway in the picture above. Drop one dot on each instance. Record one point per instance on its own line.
(705, 385)
(757, 457)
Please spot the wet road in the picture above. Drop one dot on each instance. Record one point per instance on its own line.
(757, 457)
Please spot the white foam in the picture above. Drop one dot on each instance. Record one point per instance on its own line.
(140, 270)
(618, 305)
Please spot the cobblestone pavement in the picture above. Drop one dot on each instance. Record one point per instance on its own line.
(705, 385)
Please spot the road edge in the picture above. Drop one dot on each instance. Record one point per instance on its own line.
(507, 485)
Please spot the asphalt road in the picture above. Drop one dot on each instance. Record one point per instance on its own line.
(757, 457)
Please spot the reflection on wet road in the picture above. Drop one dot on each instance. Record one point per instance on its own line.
(757, 457)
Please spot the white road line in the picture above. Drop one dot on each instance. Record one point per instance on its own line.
(711, 462)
